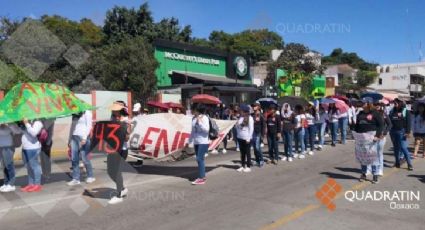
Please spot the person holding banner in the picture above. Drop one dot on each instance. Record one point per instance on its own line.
(371, 123)
(200, 140)
(31, 148)
(245, 130)
(115, 161)
(79, 144)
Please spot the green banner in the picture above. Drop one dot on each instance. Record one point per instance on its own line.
(39, 100)
(319, 87)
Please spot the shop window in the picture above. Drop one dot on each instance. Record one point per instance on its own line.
(387, 70)
(380, 81)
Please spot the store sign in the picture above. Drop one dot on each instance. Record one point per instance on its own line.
(241, 66)
(191, 58)
(399, 78)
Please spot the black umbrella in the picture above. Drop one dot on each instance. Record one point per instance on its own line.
(293, 101)
(266, 102)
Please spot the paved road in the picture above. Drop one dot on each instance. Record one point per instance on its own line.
(273, 197)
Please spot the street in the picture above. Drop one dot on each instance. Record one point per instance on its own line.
(274, 197)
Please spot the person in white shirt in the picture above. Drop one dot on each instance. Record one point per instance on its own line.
(199, 138)
(333, 114)
(79, 144)
(31, 148)
(299, 132)
(352, 117)
(310, 132)
(418, 128)
(7, 150)
(244, 132)
(321, 126)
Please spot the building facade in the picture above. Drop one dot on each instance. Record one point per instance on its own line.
(186, 70)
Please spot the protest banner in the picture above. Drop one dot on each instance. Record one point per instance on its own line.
(160, 135)
(366, 148)
(107, 137)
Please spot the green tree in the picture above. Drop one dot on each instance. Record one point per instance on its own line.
(128, 65)
(338, 56)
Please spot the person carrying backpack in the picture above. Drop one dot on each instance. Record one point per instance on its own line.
(400, 131)
(199, 136)
(245, 130)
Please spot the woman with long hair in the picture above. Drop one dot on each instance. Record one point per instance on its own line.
(380, 108)
(321, 126)
(310, 129)
(288, 125)
(419, 129)
(200, 140)
(299, 131)
(333, 114)
(245, 130)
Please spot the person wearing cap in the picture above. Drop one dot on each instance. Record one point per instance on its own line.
(273, 134)
(79, 144)
(115, 161)
(244, 133)
(371, 122)
(259, 131)
(400, 131)
(137, 110)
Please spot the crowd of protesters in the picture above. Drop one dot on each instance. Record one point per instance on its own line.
(302, 129)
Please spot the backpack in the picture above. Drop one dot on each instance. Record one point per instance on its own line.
(213, 132)
(43, 136)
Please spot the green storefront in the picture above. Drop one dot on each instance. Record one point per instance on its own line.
(185, 70)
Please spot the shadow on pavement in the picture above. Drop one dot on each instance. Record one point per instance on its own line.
(189, 173)
(100, 193)
(421, 178)
(353, 170)
(339, 176)
(229, 166)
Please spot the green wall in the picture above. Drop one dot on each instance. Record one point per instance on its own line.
(166, 65)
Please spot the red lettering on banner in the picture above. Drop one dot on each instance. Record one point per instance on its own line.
(147, 141)
(99, 135)
(21, 92)
(162, 139)
(35, 108)
(56, 102)
(175, 141)
(48, 108)
(68, 102)
(43, 87)
(183, 139)
(112, 136)
(214, 144)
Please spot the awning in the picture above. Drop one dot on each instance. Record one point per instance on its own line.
(236, 89)
(179, 77)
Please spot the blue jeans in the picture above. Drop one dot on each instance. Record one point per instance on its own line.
(310, 135)
(235, 133)
(374, 169)
(30, 158)
(288, 136)
(343, 124)
(200, 151)
(299, 139)
(76, 151)
(256, 144)
(334, 130)
(6, 157)
(320, 129)
(380, 167)
(273, 146)
(400, 146)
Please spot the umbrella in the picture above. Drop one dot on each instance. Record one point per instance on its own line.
(266, 102)
(339, 97)
(158, 105)
(205, 99)
(293, 101)
(40, 100)
(326, 100)
(375, 96)
(173, 105)
(340, 105)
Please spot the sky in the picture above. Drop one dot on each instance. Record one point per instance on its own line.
(380, 31)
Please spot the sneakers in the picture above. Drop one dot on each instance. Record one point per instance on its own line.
(124, 192)
(224, 151)
(115, 200)
(214, 151)
(7, 188)
(138, 164)
(238, 149)
(333, 145)
(320, 147)
(284, 159)
(311, 153)
(296, 155)
(301, 156)
(73, 182)
(90, 180)
(290, 159)
(375, 179)
(247, 170)
(26, 188)
(362, 178)
(35, 188)
(262, 145)
(199, 181)
(274, 162)
(241, 169)
(410, 168)
(206, 154)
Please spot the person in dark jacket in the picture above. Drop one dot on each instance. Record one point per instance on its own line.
(288, 126)
(400, 131)
(259, 132)
(273, 134)
(370, 121)
(380, 107)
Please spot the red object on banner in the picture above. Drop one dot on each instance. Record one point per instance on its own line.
(158, 105)
(205, 99)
